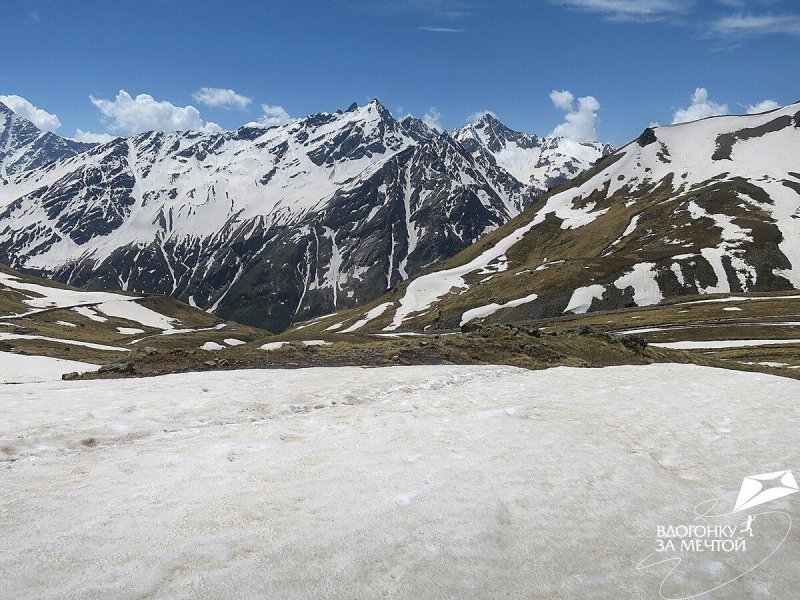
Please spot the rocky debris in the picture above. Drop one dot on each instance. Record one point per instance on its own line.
(217, 363)
(635, 342)
(487, 330)
(183, 352)
(142, 352)
(128, 368)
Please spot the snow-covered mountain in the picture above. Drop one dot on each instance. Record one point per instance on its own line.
(711, 206)
(265, 225)
(24, 146)
(540, 162)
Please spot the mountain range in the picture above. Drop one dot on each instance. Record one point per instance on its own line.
(268, 225)
(706, 207)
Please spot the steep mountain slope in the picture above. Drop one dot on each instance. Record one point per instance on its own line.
(23, 146)
(267, 224)
(542, 163)
(424, 204)
(706, 207)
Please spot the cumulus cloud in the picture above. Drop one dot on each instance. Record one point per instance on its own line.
(562, 100)
(90, 137)
(41, 118)
(221, 98)
(433, 118)
(273, 115)
(478, 115)
(211, 127)
(580, 124)
(127, 115)
(700, 108)
(763, 106)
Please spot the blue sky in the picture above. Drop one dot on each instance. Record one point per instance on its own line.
(641, 60)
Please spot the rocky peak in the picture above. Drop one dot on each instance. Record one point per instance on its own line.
(23, 146)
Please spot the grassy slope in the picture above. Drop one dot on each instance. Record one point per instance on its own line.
(46, 323)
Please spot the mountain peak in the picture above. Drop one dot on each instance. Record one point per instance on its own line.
(373, 104)
(23, 146)
(417, 128)
(489, 118)
(542, 163)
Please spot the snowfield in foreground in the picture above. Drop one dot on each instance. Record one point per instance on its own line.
(19, 368)
(411, 482)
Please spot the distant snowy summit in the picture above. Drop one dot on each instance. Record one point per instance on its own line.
(24, 146)
(540, 162)
(270, 225)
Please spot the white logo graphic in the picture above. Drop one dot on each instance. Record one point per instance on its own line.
(758, 489)
(723, 536)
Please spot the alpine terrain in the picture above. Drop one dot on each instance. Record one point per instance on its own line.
(708, 207)
(542, 163)
(270, 225)
(24, 146)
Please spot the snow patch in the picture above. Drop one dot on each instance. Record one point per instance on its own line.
(129, 330)
(642, 278)
(212, 346)
(276, 345)
(581, 300)
(19, 336)
(18, 368)
(711, 344)
(373, 313)
(484, 311)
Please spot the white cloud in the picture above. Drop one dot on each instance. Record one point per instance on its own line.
(91, 137)
(700, 108)
(763, 106)
(221, 98)
(750, 25)
(441, 29)
(273, 115)
(478, 115)
(562, 100)
(433, 118)
(580, 125)
(211, 127)
(41, 118)
(632, 10)
(127, 115)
